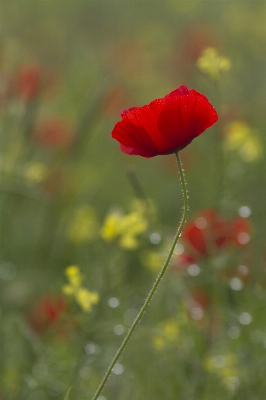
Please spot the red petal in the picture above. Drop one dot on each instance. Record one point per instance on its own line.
(134, 139)
(125, 112)
(194, 237)
(147, 117)
(181, 90)
(185, 117)
(134, 151)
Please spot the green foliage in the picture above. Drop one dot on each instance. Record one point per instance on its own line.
(69, 197)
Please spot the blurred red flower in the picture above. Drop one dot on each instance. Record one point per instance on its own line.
(47, 313)
(209, 231)
(28, 82)
(54, 133)
(165, 125)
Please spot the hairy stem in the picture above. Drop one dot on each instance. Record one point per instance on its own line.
(155, 285)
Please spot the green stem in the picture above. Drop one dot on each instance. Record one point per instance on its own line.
(156, 283)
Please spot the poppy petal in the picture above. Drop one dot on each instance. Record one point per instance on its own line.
(165, 125)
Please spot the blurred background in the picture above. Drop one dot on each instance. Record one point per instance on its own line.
(86, 228)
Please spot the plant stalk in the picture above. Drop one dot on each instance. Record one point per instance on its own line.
(156, 283)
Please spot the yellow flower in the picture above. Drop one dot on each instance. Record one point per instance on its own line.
(212, 64)
(124, 228)
(158, 343)
(169, 333)
(68, 290)
(225, 366)
(83, 296)
(73, 275)
(133, 224)
(112, 226)
(86, 299)
(242, 138)
(83, 227)
(152, 260)
(251, 150)
(35, 172)
(143, 207)
(171, 329)
(128, 242)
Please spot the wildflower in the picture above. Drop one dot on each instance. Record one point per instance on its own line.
(28, 82)
(205, 233)
(47, 313)
(212, 64)
(224, 366)
(242, 138)
(83, 226)
(111, 228)
(74, 277)
(124, 228)
(152, 260)
(165, 125)
(168, 334)
(35, 172)
(209, 232)
(86, 299)
(182, 260)
(53, 133)
(83, 296)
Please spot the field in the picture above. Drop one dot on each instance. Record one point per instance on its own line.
(85, 228)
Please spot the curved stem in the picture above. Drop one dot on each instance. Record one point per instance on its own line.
(156, 283)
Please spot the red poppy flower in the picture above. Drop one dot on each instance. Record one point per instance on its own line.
(209, 231)
(180, 261)
(54, 133)
(28, 82)
(165, 125)
(46, 313)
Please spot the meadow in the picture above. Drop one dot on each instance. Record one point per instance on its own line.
(85, 228)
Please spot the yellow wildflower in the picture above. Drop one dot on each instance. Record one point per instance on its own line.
(68, 290)
(111, 227)
(133, 224)
(236, 134)
(83, 296)
(225, 366)
(152, 260)
(73, 274)
(171, 329)
(86, 299)
(169, 333)
(242, 138)
(251, 150)
(35, 172)
(158, 343)
(124, 228)
(83, 227)
(212, 64)
(128, 242)
(143, 207)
